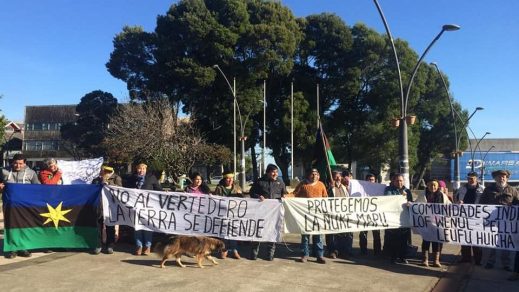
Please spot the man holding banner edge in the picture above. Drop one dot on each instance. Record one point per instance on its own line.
(269, 186)
(395, 240)
(312, 188)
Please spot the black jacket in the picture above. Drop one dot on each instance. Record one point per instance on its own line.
(267, 188)
(150, 182)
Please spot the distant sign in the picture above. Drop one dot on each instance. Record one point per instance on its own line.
(492, 161)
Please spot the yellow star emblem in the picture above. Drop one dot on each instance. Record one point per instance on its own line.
(55, 215)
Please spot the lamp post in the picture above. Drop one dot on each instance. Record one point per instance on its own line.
(483, 164)
(457, 180)
(474, 152)
(264, 126)
(403, 141)
(242, 128)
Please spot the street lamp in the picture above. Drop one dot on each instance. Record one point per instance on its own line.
(402, 141)
(483, 164)
(457, 180)
(474, 152)
(242, 128)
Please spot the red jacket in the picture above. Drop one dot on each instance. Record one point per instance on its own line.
(47, 177)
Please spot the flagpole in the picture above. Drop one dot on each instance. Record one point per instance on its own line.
(328, 167)
(292, 130)
(264, 123)
(318, 122)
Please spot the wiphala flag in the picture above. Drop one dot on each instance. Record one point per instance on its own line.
(50, 216)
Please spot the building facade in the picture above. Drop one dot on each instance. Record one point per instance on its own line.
(42, 136)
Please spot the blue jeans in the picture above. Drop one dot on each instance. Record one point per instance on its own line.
(317, 247)
(143, 238)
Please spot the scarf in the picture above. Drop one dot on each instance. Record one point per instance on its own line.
(140, 181)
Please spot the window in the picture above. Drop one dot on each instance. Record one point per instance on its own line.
(37, 126)
(35, 145)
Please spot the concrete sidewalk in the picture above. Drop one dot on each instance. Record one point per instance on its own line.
(80, 271)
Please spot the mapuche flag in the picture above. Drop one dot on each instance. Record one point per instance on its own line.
(48, 216)
(323, 158)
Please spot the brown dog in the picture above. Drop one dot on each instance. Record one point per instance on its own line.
(198, 246)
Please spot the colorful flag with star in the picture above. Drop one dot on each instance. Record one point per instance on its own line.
(50, 216)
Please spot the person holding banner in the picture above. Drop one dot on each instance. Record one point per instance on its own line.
(269, 186)
(197, 186)
(433, 194)
(470, 194)
(52, 174)
(395, 240)
(312, 188)
(499, 193)
(143, 180)
(19, 173)
(333, 241)
(227, 188)
(363, 235)
(107, 177)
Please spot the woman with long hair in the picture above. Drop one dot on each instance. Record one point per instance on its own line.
(197, 185)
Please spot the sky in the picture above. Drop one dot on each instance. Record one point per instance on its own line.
(55, 51)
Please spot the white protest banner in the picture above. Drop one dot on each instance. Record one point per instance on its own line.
(478, 225)
(338, 215)
(190, 214)
(80, 172)
(362, 188)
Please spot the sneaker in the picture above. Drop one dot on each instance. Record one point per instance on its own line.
(304, 259)
(223, 256)
(24, 253)
(236, 255)
(10, 255)
(321, 260)
(110, 250)
(507, 268)
(96, 251)
(489, 266)
(333, 255)
(403, 261)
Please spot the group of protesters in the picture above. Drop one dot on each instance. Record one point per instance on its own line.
(397, 242)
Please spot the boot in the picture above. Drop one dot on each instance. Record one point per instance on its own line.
(425, 258)
(437, 259)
